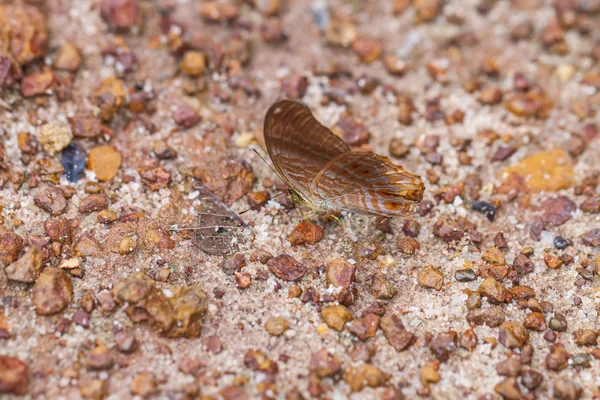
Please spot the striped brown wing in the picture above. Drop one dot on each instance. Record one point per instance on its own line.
(299, 145)
(364, 182)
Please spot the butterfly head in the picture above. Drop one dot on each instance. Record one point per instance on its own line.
(296, 197)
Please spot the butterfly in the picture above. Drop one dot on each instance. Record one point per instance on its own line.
(322, 170)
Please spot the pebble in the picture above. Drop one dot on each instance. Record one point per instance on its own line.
(73, 160)
(430, 277)
(336, 317)
(105, 162)
(54, 138)
(52, 291)
(51, 200)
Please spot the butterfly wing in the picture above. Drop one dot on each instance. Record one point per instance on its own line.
(299, 145)
(366, 183)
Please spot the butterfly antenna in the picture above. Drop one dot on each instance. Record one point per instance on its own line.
(265, 161)
(256, 206)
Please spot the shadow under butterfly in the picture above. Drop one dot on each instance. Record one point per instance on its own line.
(217, 229)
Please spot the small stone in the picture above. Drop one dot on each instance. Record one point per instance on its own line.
(591, 237)
(276, 326)
(119, 14)
(294, 86)
(243, 280)
(144, 384)
(212, 344)
(560, 243)
(13, 376)
(341, 33)
(558, 323)
(503, 153)
(367, 49)
(365, 327)
(487, 209)
(468, 340)
(233, 263)
(126, 246)
(381, 288)
(408, 245)
(155, 177)
(352, 131)
(27, 268)
(490, 95)
(193, 63)
(324, 364)
(586, 337)
(509, 389)
(395, 65)
(87, 246)
(105, 162)
(492, 290)
(558, 210)
(93, 390)
(54, 138)
(429, 375)
(163, 151)
(411, 228)
(341, 275)
(336, 317)
(364, 375)
(306, 233)
(535, 321)
(513, 334)
(52, 291)
(551, 261)
(465, 275)
(531, 379)
(186, 116)
(216, 11)
(260, 256)
(398, 149)
(395, 333)
(430, 277)
(566, 389)
(558, 358)
(36, 84)
(493, 256)
(286, 268)
(68, 58)
(106, 216)
(427, 10)
(443, 345)
(73, 159)
(51, 200)
(92, 203)
(448, 229)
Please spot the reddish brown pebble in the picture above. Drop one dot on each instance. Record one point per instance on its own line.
(381, 288)
(13, 375)
(492, 290)
(586, 337)
(365, 327)
(408, 246)
(306, 233)
(243, 280)
(119, 14)
(509, 389)
(341, 275)
(36, 83)
(155, 177)
(443, 345)
(52, 291)
(557, 358)
(535, 322)
(27, 268)
(468, 339)
(324, 364)
(395, 333)
(513, 334)
(233, 263)
(186, 116)
(68, 57)
(216, 11)
(92, 203)
(286, 268)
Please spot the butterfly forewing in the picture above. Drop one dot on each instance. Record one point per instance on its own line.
(299, 145)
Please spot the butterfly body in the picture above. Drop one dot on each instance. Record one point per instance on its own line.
(322, 169)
